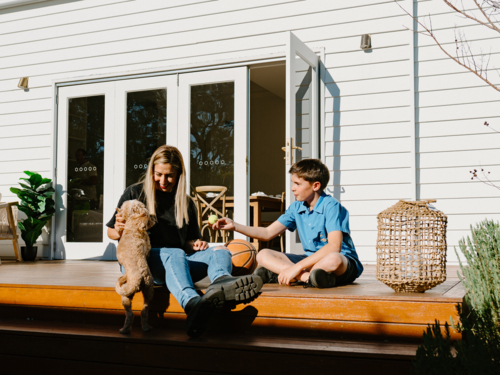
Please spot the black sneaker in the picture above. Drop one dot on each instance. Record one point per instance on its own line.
(321, 279)
(268, 277)
(199, 310)
(230, 291)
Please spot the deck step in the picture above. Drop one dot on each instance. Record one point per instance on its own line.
(61, 347)
(278, 309)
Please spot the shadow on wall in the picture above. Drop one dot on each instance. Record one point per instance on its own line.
(37, 5)
(59, 253)
(334, 91)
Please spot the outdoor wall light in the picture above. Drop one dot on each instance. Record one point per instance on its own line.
(366, 41)
(23, 83)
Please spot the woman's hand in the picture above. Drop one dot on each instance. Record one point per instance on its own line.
(200, 245)
(224, 223)
(119, 223)
(288, 275)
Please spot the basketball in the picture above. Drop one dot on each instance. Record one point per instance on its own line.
(243, 256)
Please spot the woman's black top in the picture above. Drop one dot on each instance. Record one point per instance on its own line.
(165, 232)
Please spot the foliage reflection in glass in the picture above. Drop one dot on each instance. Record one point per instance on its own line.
(212, 135)
(146, 130)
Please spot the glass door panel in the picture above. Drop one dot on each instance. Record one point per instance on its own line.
(84, 175)
(302, 69)
(212, 135)
(146, 118)
(85, 167)
(212, 138)
(213, 132)
(146, 130)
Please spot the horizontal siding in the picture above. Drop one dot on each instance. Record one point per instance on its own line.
(452, 106)
(368, 161)
(368, 95)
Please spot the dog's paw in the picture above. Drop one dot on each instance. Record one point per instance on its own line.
(146, 328)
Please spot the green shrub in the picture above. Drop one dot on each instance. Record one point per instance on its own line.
(479, 350)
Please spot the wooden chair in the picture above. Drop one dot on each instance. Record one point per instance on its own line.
(267, 223)
(8, 226)
(206, 207)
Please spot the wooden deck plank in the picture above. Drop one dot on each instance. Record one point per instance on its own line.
(100, 275)
(268, 304)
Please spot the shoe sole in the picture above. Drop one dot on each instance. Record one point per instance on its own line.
(243, 290)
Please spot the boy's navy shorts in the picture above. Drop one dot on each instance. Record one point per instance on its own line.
(347, 277)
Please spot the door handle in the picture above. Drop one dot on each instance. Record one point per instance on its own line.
(288, 149)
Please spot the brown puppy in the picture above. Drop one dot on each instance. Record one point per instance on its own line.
(132, 253)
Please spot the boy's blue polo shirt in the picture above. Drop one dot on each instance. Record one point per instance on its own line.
(328, 215)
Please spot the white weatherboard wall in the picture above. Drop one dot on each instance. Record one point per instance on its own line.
(452, 106)
(369, 97)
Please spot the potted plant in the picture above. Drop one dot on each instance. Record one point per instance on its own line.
(37, 203)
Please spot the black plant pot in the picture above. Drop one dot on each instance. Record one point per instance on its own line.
(29, 253)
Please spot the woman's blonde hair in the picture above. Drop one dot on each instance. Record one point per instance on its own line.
(167, 155)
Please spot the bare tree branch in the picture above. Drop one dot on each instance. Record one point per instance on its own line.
(489, 25)
(485, 16)
(464, 62)
(483, 177)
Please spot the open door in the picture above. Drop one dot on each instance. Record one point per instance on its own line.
(302, 77)
(213, 134)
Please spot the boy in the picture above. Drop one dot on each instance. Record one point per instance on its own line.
(330, 258)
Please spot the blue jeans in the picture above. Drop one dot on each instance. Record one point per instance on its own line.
(178, 271)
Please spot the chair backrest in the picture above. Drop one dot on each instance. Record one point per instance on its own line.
(200, 194)
(8, 229)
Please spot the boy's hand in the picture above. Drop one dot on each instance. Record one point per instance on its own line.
(224, 223)
(200, 245)
(288, 275)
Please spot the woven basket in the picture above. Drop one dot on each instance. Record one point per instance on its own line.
(411, 247)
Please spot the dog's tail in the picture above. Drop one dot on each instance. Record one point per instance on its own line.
(124, 288)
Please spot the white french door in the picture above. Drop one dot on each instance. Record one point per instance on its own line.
(85, 181)
(302, 77)
(213, 133)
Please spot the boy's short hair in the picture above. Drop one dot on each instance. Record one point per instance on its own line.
(312, 170)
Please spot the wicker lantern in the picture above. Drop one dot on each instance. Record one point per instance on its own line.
(411, 246)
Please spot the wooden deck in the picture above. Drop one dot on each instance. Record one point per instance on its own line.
(74, 302)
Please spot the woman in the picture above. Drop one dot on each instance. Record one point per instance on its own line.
(177, 254)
